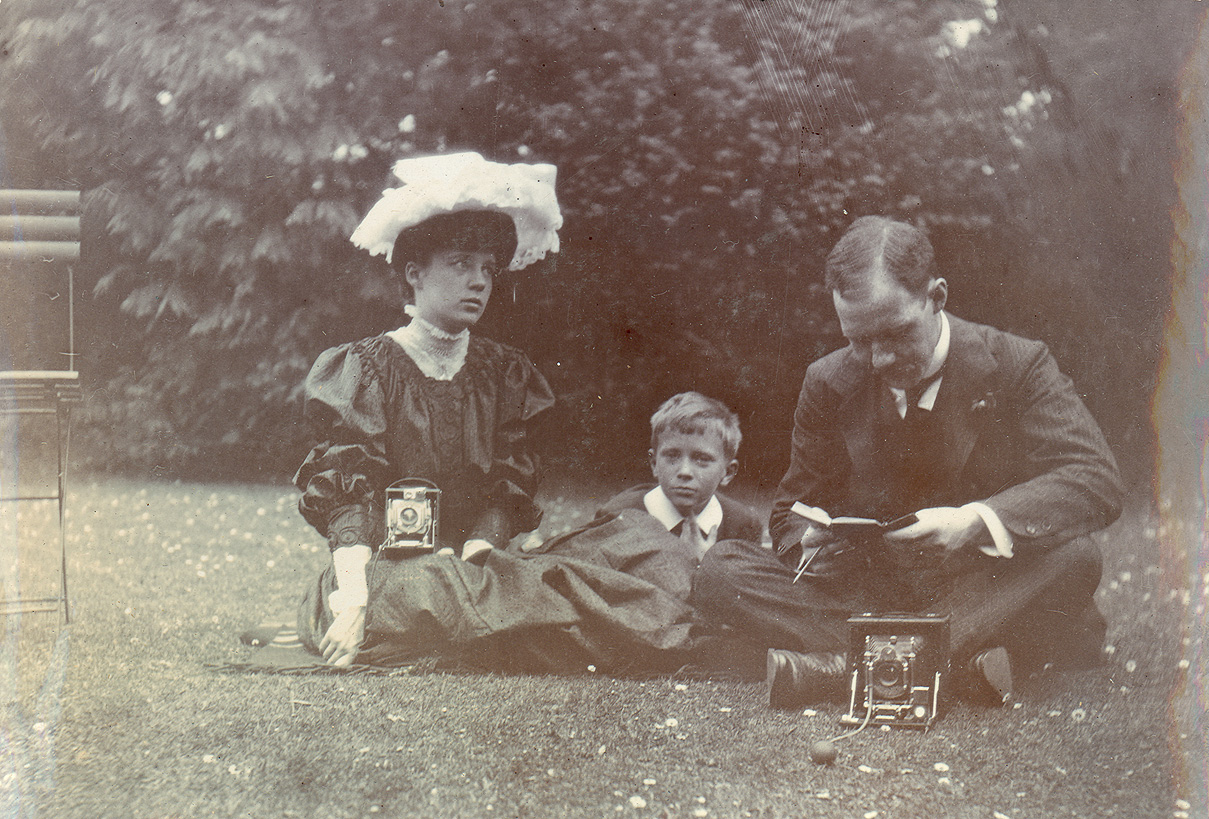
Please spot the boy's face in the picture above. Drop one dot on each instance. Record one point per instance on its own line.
(690, 466)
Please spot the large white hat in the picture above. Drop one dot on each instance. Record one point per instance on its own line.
(448, 183)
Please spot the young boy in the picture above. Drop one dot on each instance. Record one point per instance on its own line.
(694, 440)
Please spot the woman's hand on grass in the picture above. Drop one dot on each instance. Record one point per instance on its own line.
(344, 636)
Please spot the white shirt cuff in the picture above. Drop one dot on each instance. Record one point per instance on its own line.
(473, 547)
(1000, 537)
(352, 589)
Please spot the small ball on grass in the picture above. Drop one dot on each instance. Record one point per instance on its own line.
(823, 752)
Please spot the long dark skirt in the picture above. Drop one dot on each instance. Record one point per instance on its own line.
(612, 595)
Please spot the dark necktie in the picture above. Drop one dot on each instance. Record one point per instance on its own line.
(689, 532)
(914, 394)
(920, 442)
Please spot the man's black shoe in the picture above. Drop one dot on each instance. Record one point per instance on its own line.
(797, 679)
(989, 677)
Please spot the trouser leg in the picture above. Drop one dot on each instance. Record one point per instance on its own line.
(745, 586)
(1065, 626)
(994, 601)
(1023, 602)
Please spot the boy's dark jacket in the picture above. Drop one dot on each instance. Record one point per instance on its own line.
(739, 522)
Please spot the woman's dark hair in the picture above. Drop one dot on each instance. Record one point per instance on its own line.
(475, 230)
(900, 249)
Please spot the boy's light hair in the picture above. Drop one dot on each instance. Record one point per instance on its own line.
(692, 412)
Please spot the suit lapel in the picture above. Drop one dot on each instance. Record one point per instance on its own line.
(857, 417)
(968, 371)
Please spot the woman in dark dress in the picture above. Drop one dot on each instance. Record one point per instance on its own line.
(429, 399)
(433, 401)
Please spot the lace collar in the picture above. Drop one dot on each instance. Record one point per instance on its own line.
(438, 354)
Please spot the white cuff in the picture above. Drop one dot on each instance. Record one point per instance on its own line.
(352, 589)
(473, 547)
(1001, 538)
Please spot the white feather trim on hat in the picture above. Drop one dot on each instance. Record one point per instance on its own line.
(452, 182)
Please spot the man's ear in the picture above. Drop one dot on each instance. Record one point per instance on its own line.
(938, 294)
(732, 469)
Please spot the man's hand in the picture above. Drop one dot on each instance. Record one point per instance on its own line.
(820, 547)
(816, 537)
(343, 638)
(937, 536)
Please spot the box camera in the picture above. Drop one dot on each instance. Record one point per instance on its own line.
(896, 665)
(412, 516)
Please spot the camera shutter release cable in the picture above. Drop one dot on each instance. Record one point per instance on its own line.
(824, 751)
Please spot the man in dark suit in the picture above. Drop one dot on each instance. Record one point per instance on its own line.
(973, 431)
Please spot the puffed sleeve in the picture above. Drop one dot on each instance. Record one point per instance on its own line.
(514, 470)
(344, 402)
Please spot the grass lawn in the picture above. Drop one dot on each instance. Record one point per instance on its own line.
(118, 715)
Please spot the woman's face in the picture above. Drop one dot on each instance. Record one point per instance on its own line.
(452, 290)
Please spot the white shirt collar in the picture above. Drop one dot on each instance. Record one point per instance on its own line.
(939, 355)
(663, 510)
(438, 354)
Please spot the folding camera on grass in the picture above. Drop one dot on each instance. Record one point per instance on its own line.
(897, 663)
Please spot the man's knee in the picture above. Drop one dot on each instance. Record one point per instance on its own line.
(1092, 558)
(1083, 564)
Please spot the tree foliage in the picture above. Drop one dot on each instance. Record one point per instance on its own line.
(707, 162)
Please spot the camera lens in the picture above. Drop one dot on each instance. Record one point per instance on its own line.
(408, 516)
(888, 675)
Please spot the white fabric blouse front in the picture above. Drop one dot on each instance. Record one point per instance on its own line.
(438, 354)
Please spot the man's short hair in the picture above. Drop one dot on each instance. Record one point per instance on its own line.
(692, 413)
(870, 242)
